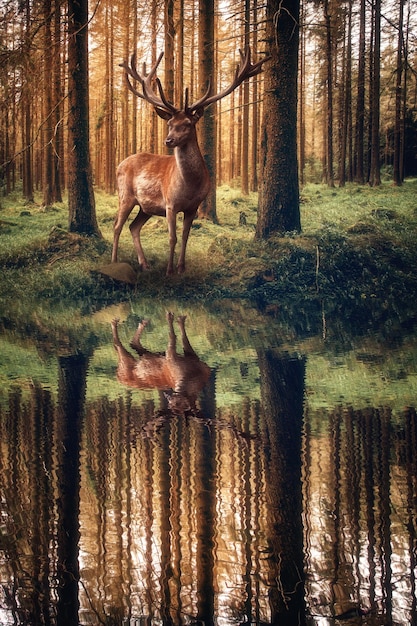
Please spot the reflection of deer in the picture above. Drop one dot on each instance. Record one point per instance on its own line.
(169, 184)
(181, 377)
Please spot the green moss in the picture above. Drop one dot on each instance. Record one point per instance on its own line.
(357, 244)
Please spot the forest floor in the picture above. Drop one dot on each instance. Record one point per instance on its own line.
(357, 251)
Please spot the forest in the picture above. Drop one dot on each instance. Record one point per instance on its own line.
(357, 87)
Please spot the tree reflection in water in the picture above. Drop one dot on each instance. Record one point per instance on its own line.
(262, 511)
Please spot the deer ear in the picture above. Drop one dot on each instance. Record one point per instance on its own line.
(166, 115)
(198, 114)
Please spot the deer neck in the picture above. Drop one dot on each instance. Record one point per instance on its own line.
(190, 162)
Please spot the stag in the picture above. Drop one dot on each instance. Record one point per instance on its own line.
(166, 185)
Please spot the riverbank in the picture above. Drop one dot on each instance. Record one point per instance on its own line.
(356, 252)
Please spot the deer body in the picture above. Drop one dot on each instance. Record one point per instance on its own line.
(163, 185)
(168, 184)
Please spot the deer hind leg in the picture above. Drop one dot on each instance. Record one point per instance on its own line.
(172, 339)
(188, 220)
(188, 349)
(135, 343)
(135, 228)
(123, 354)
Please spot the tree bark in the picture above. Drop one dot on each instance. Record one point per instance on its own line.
(398, 98)
(207, 125)
(255, 110)
(375, 171)
(58, 156)
(358, 165)
(245, 113)
(27, 121)
(345, 98)
(279, 204)
(81, 201)
(48, 118)
(329, 93)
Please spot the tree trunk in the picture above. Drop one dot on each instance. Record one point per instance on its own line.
(153, 142)
(110, 178)
(301, 100)
(58, 156)
(81, 202)
(125, 93)
(179, 74)
(329, 92)
(245, 113)
(48, 118)
(279, 204)
(359, 173)
(134, 108)
(345, 100)
(169, 82)
(27, 123)
(207, 126)
(398, 98)
(375, 173)
(255, 110)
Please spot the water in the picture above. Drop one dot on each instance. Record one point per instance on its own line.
(269, 476)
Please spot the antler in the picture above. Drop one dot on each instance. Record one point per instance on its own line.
(244, 70)
(159, 102)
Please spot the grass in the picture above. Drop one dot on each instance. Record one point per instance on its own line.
(354, 261)
(357, 245)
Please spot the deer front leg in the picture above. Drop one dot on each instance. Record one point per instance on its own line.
(135, 228)
(172, 233)
(188, 220)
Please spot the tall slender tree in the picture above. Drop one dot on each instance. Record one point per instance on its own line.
(27, 111)
(207, 126)
(375, 167)
(81, 201)
(47, 113)
(245, 108)
(58, 156)
(279, 204)
(359, 150)
(398, 147)
(329, 93)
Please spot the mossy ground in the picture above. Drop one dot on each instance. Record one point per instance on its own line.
(357, 246)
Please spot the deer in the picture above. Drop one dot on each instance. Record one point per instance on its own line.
(165, 185)
(181, 377)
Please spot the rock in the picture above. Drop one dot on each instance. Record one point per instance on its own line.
(121, 272)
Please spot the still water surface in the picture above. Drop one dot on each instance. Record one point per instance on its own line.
(243, 471)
